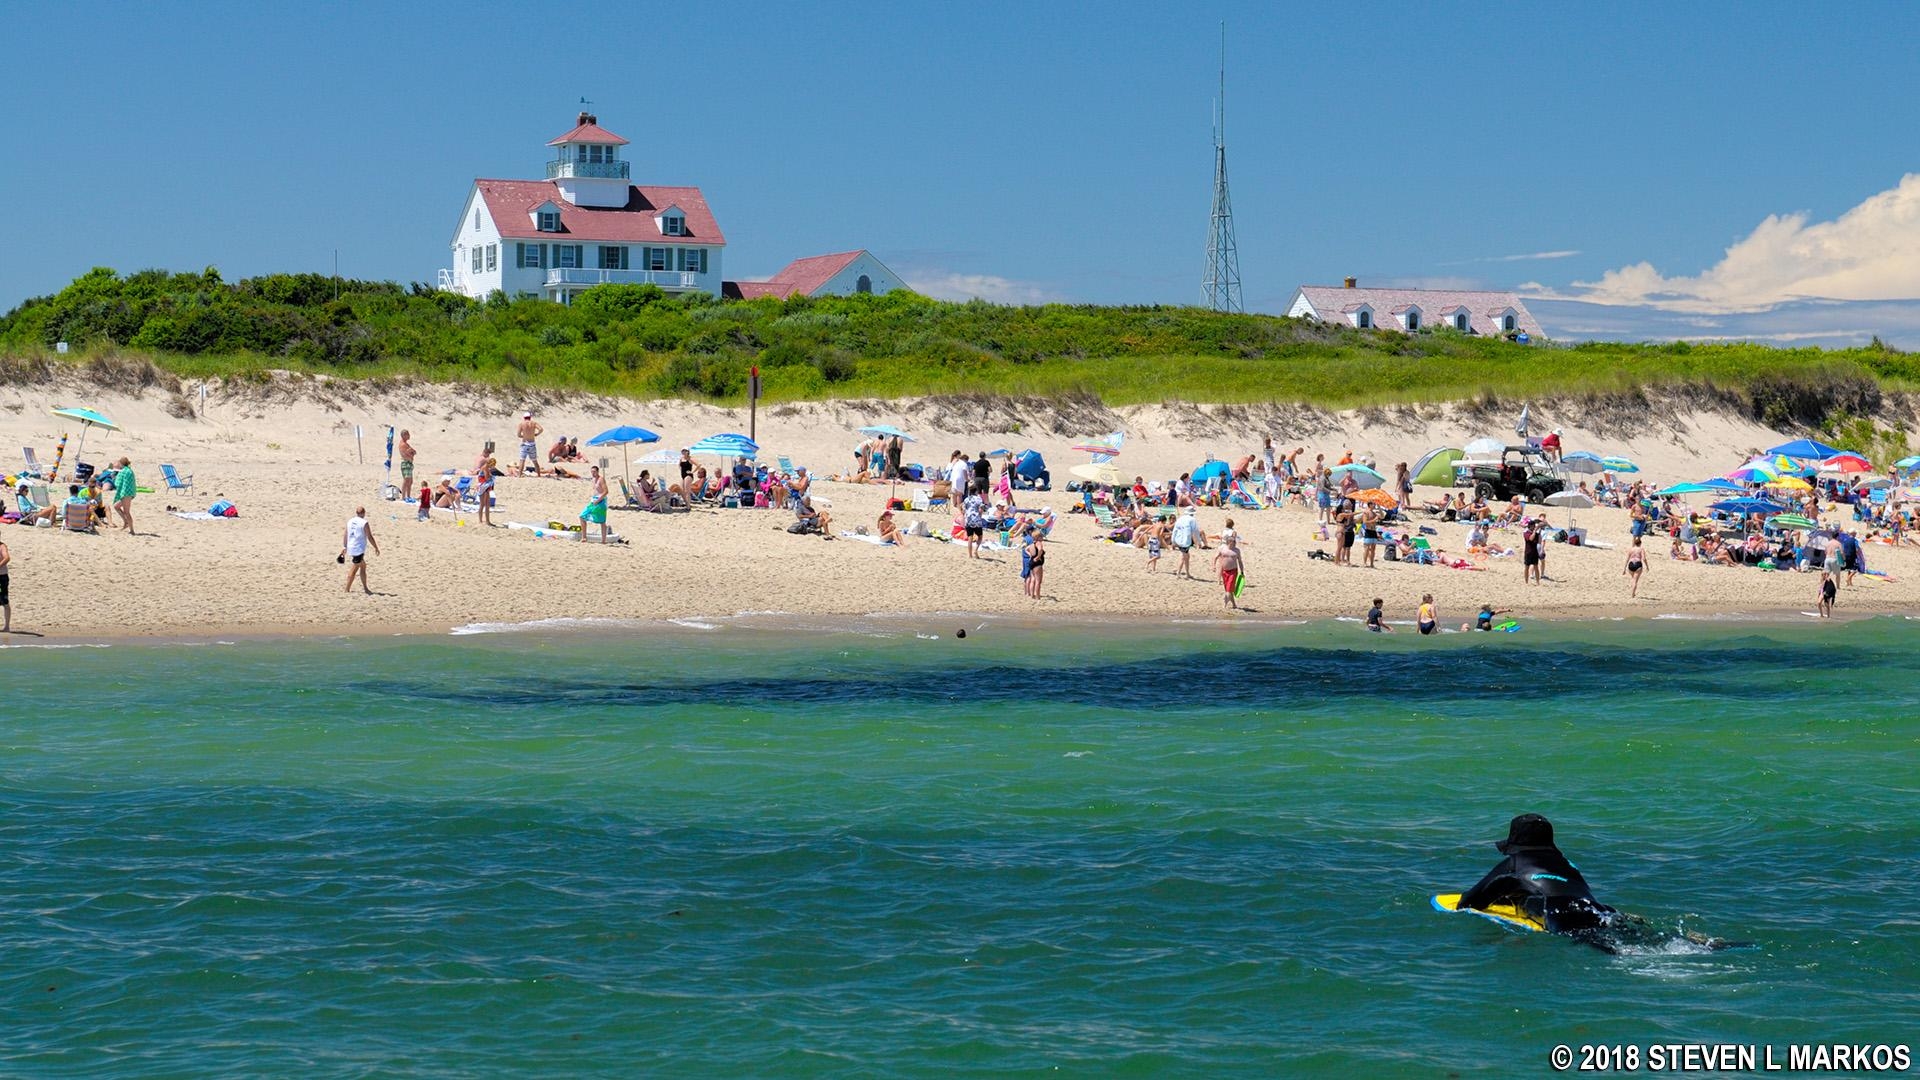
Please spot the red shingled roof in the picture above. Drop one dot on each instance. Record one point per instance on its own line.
(589, 133)
(512, 203)
(749, 290)
(806, 275)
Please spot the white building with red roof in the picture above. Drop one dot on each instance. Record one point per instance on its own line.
(842, 274)
(586, 224)
(1412, 310)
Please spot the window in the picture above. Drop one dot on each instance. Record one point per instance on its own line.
(1460, 321)
(657, 258)
(864, 285)
(477, 256)
(1506, 323)
(566, 255)
(691, 260)
(476, 219)
(1413, 321)
(613, 257)
(673, 225)
(530, 255)
(549, 221)
(1366, 320)
(493, 257)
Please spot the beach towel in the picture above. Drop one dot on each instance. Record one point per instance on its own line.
(542, 532)
(198, 515)
(846, 534)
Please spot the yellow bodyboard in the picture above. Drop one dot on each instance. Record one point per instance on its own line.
(1504, 914)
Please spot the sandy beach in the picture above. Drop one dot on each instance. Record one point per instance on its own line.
(284, 452)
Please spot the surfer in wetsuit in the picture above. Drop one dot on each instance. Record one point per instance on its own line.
(1536, 878)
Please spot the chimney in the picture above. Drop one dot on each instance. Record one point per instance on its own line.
(586, 118)
(1351, 282)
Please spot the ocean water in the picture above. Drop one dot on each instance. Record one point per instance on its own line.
(876, 850)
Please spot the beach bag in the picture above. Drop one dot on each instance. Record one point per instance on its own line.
(223, 508)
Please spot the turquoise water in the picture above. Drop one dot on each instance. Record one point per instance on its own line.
(1095, 851)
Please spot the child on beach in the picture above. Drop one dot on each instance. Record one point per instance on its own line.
(1376, 618)
(1827, 594)
(1154, 532)
(426, 501)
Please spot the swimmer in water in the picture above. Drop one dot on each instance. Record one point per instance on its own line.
(1376, 618)
(1484, 620)
(1539, 880)
(1429, 621)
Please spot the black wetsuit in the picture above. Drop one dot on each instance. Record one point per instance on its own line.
(1541, 882)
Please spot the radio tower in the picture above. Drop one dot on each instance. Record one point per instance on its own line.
(1222, 281)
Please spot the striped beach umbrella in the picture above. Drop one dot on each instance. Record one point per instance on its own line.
(727, 444)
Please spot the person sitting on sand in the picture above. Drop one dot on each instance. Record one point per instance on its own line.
(558, 451)
(1536, 878)
(1377, 619)
(888, 531)
(1514, 512)
(446, 496)
(647, 490)
(815, 520)
(1478, 510)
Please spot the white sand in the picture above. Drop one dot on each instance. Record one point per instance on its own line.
(285, 454)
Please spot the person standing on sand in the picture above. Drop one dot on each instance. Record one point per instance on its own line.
(596, 511)
(483, 492)
(1228, 563)
(123, 492)
(1033, 562)
(1403, 486)
(1183, 537)
(406, 461)
(1530, 553)
(982, 474)
(1827, 589)
(6, 601)
(529, 433)
(975, 523)
(354, 541)
(1636, 565)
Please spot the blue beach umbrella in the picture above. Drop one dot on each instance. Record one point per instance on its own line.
(1805, 450)
(1906, 463)
(726, 445)
(1749, 506)
(623, 436)
(1619, 464)
(89, 419)
(887, 430)
(1364, 476)
(1716, 484)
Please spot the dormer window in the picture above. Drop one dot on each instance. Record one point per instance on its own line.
(1460, 321)
(1508, 322)
(1363, 319)
(1413, 319)
(673, 224)
(549, 221)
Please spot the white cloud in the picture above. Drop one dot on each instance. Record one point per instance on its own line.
(1871, 252)
(1533, 257)
(943, 285)
(1805, 322)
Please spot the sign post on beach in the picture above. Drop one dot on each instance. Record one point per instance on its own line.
(753, 399)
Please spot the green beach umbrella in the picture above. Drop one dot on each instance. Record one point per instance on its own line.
(1792, 521)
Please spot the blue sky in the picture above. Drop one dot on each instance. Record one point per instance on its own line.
(1020, 151)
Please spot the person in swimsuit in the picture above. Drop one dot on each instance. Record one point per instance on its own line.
(1429, 619)
(1636, 565)
(1343, 520)
(6, 602)
(529, 433)
(1530, 554)
(1033, 561)
(483, 491)
(1370, 533)
(1484, 621)
(407, 453)
(1828, 591)
(1376, 618)
(596, 511)
(1153, 547)
(1227, 562)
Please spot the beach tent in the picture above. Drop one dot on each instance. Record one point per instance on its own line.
(1435, 467)
(1212, 470)
(1032, 468)
(1805, 450)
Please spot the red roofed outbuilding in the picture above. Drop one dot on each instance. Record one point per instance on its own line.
(841, 274)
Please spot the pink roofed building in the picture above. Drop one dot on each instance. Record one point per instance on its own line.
(844, 274)
(1495, 314)
(586, 224)
(589, 224)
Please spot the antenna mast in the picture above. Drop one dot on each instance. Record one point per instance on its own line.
(1221, 285)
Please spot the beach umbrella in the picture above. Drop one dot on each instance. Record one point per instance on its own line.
(1485, 448)
(726, 445)
(1715, 484)
(1792, 521)
(1754, 472)
(1619, 464)
(624, 436)
(1876, 483)
(1362, 475)
(661, 457)
(1906, 463)
(88, 419)
(1846, 464)
(1002, 452)
(1376, 497)
(1572, 500)
(1804, 450)
(1583, 461)
(888, 431)
(1748, 506)
(1790, 483)
(1104, 473)
(1526, 418)
(1097, 449)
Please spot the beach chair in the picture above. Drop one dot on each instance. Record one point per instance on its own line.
(33, 463)
(77, 517)
(176, 482)
(785, 464)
